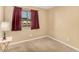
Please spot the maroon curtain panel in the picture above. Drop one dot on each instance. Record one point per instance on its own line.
(16, 21)
(34, 19)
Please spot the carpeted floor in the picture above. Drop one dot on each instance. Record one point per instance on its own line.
(41, 45)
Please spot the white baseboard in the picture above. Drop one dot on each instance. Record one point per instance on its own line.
(63, 43)
(27, 40)
(13, 44)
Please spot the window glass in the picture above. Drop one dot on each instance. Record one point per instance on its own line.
(24, 14)
(26, 19)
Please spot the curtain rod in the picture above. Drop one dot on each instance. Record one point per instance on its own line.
(29, 9)
(26, 9)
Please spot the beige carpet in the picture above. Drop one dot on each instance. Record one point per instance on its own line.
(41, 45)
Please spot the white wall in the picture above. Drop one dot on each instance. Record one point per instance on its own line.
(64, 24)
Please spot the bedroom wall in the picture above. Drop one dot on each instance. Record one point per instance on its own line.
(26, 33)
(1, 13)
(64, 24)
(1, 17)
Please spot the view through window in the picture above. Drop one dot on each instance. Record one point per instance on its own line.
(26, 18)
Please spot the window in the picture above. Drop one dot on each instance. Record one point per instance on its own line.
(26, 19)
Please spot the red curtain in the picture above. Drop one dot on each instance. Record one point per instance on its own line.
(16, 21)
(34, 19)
